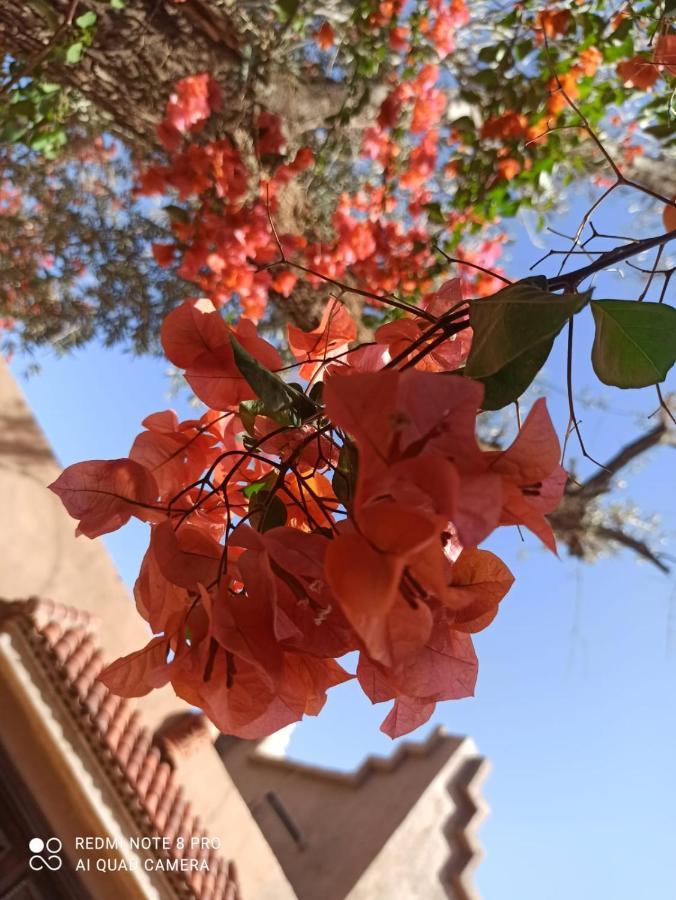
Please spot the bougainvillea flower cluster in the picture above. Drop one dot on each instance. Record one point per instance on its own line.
(292, 525)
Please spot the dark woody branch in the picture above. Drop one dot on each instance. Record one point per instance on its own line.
(571, 280)
(581, 523)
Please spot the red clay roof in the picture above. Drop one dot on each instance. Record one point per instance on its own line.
(137, 763)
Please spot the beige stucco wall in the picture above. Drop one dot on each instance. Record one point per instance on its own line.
(378, 835)
(56, 764)
(427, 856)
(41, 556)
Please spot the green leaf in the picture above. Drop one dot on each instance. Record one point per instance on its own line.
(435, 213)
(49, 142)
(257, 486)
(279, 398)
(118, 4)
(634, 344)
(74, 53)
(488, 54)
(86, 20)
(507, 385)
(287, 9)
(515, 319)
(345, 477)
(266, 511)
(317, 392)
(24, 109)
(177, 213)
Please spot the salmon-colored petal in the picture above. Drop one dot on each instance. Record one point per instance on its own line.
(191, 329)
(139, 672)
(105, 494)
(478, 506)
(365, 583)
(186, 557)
(161, 603)
(535, 452)
(396, 529)
(479, 582)
(516, 510)
(406, 715)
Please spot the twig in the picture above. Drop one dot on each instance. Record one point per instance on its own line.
(664, 404)
(571, 399)
(464, 262)
(600, 482)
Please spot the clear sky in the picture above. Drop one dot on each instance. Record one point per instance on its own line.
(575, 704)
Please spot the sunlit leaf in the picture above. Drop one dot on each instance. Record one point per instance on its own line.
(634, 344)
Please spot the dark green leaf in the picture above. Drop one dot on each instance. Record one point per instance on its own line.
(515, 319)
(488, 54)
(177, 213)
(279, 397)
(634, 344)
(266, 511)
(507, 385)
(286, 9)
(345, 477)
(317, 392)
(248, 410)
(435, 214)
(341, 487)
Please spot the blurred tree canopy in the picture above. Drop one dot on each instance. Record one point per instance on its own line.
(473, 96)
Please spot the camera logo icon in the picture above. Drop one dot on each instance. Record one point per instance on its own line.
(45, 854)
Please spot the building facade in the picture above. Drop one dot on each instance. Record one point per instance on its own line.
(141, 797)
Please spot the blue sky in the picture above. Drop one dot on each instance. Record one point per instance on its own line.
(575, 700)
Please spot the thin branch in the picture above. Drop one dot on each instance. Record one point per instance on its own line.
(664, 405)
(464, 262)
(390, 301)
(600, 482)
(571, 400)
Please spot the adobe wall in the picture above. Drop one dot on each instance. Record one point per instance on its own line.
(378, 833)
(41, 556)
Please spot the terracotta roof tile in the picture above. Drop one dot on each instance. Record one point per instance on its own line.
(143, 767)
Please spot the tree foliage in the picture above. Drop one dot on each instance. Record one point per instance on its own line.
(447, 117)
